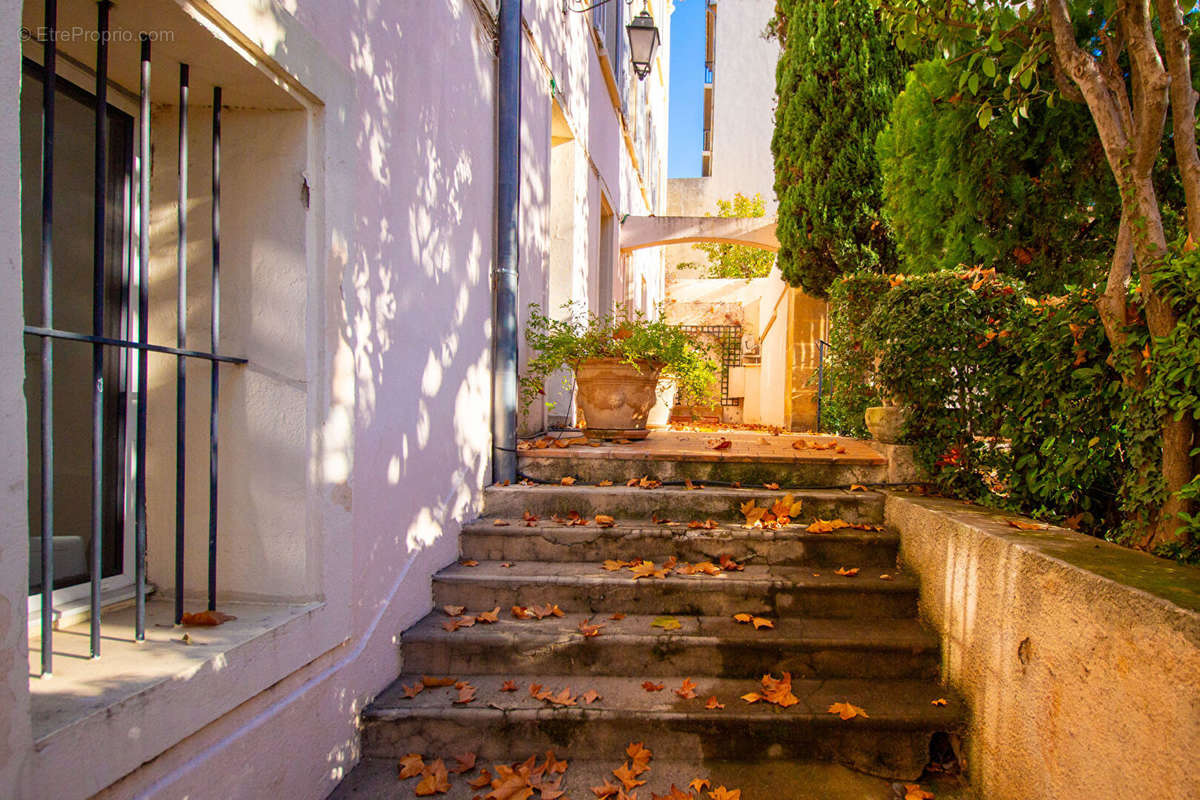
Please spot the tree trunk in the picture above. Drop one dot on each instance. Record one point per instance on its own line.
(1131, 136)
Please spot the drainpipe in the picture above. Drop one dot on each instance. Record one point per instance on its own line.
(508, 161)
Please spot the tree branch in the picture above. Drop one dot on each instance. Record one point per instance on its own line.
(1151, 83)
(1183, 107)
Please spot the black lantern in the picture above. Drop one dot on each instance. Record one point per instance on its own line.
(643, 43)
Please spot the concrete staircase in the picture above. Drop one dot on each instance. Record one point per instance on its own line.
(842, 639)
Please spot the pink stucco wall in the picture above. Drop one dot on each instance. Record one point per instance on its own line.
(397, 375)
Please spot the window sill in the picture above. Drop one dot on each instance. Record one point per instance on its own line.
(138, 699)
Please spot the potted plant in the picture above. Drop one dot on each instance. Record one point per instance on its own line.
(617, 361)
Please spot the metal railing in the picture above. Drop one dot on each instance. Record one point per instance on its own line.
(821, 345)
(49, 334)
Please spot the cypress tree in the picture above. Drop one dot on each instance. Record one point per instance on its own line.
(837, 76)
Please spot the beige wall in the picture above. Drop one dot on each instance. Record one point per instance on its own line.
(1079, 659)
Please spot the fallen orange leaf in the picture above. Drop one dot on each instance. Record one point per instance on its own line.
(433, 683)
(941, 701)
(712, 704)
(653, 687)
(1027, 526)
(617, 615)
(589, 629)
(434, 780)
(470, 562)
(465, 694)
(482, 780)
(718, 444)
(605, 521)
(640, 755)
(489, 617)
(613, 565)
(687, 689)
(466, 763)
(847, 710)
(721, 793)
(454, 611)
(412, 691)
(205, 619)
(771, 486)
(728, 564)
(590, 696)
(913, 791)
(857, 487)
(567, 481)
(827, 525)
(509, 686)
(411, 765)
(605, 483)
(847, 573)
(521, 612)
(452, 625)
(646, 569)
(627, 776)
(675, 794)
(605, 790)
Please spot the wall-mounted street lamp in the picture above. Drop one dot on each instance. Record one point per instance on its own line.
(643, 36)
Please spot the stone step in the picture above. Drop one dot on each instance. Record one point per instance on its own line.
(586, 588)
(714, 646)
(547, 540)
(752, 459)
(893, 741)
(376, 778)
(626, 503)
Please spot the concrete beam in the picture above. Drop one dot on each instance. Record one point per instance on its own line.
(639, 232)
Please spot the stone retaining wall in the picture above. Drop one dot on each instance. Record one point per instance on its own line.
(1079, 659)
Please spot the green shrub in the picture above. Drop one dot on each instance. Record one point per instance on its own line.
(849, 365)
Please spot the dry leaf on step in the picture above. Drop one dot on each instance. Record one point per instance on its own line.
(847, 710)
(434, 780)
(411, 765)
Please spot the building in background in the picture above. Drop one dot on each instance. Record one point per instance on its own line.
(780, 328)
(358, 182)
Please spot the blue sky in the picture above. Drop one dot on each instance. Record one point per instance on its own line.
(687, 89)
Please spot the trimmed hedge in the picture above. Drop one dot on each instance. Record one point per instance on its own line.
(1015, 401)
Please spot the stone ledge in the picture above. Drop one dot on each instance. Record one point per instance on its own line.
(1073, 654)
(150, 695)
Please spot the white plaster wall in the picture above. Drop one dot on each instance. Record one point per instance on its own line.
(752, 303)
(15, 733)
(744, 101)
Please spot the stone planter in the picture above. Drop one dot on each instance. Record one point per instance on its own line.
(660, 415)
(615, 397)
(886, 423)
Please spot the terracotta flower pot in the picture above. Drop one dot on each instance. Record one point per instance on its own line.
(615, 397)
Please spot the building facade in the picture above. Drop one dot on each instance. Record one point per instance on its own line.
(780, 328)
(321, 236)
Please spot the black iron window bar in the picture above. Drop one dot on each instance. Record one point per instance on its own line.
(49, 334)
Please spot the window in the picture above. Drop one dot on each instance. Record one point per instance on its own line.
(72, 297)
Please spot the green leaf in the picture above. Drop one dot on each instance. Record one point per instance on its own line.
(989, 67)
(973, 83)
(985, 115)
